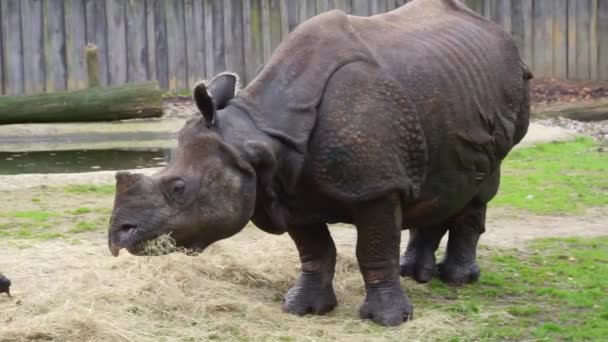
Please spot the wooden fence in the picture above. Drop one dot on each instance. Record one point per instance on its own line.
(179, 42)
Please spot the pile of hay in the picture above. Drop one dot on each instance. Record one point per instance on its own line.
(233, 291)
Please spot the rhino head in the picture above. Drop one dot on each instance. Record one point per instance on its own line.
(206, 193)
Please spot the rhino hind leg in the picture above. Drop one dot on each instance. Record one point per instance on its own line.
(378, 233)
(418, 261)
(459, 265)
(313, 292)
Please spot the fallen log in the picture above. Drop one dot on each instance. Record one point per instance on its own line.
(580, 111)
(131, 101)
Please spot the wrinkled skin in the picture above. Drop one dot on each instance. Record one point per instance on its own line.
(399, 121)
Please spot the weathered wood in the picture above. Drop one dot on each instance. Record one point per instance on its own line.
(583, 35)
(517, 24)
(560, 38)
(254, 42)
(1, 53)
(602, 31)
(94, 104)
(137, 49)
(593, 41)
(97, 33)
(293, 15)
(581, 111)
(543, 37)
(219, 57)
(267, 42)
(233, 34)
(91, 53)
(117, 42)
(502, 14)
(162, 61)
(151, 40)
(209, 41)
(322, 6)
(195, 29)
(75, 32)
(572, 43)
(176, 45)
(276, 27)
(11, 38)
(311, 8)
(33, 47)
(55, 47)
(361, 7)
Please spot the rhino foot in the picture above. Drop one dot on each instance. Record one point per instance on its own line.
(386, 305)
(418, 266)
(459, 274)
(308, 295)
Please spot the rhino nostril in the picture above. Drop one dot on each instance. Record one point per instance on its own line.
(128, 227)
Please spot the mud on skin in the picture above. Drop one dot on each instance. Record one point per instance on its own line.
(391, 123)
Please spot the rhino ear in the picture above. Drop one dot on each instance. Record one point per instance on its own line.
(215, 95)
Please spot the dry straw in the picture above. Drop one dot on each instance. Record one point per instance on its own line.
(232, 291)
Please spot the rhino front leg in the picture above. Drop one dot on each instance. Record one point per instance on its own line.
(459, 265)
(418, 261)
(313, 292)
(378, 237)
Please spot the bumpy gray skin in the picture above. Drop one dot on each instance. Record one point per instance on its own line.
(398, 121)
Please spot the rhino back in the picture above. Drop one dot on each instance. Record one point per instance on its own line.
(441, 105)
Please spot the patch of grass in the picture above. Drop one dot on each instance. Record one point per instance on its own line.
(39, 216)
(561, 177)
(81, 211)
(24, 230)
(88, 189)
(83, 226)
(554, 291)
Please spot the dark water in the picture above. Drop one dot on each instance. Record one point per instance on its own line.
(80, 160)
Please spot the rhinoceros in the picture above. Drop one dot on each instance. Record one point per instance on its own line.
(390, 122)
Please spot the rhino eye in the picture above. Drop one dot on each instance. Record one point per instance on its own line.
(178, 188)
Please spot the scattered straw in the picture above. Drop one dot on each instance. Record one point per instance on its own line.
(232, 291)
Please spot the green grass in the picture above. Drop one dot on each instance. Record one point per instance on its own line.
(34, 215)
(90, 189)
(562, 177)
(83, 226)
(81, 211)
(554, 291)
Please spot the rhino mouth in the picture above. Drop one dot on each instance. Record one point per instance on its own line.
(132, 238)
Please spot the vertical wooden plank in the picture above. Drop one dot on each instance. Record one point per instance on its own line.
(97, 34)
(322, 6)
(266, 41)
(137, 49)
(233, 35)
(283, 9)
(594, 44)
(276, 26)
(345, 5)
(209, 41)
(150, 40)
(602, 32)
(517, 24)
(572, 43)
(55, 49)
(33, 47)
(219, 59)
(377, 6)
(293, 15)
(176, 45)
(311, 8)
(160, 36)
(75, 33)
(12, 47)
(543, 37)
(192, 41)
(528, 34)
(2, 49)
(477, 5)
(255, 46)
(583, 36)
(560, 35)
(502, 14)
(361, 7)
(117, 42)
(200, 69)
(486, 10)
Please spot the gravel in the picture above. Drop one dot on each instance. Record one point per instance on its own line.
(598, 129)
